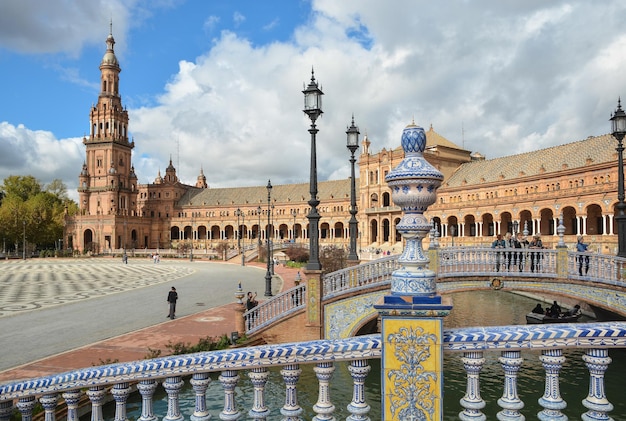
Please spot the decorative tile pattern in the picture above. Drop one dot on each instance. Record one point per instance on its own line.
(341, 318)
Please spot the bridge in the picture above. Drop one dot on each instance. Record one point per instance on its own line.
(458, 268)
(349, 295)
(411, 347)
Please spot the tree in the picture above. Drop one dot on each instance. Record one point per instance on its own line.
(29, 210)
(57, 188)
(332, 258)
(21, 186)
(222, 247)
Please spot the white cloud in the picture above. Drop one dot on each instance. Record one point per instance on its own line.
(499, 77)
(38, 153)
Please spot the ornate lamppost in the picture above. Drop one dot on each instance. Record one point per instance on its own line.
(258, 230)
(313, 108)
(268, 274)
(618, 130)
(191, 245)
(294, 214)
(24, 241)
(240, 229)
(353, 145)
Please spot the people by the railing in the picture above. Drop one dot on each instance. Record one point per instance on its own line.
(251, 301)
(510, 256)
(538, 309)
(499, 243)
(535, 258)
(514, 258)
(172, 297)
(582, 248)
(520, 243)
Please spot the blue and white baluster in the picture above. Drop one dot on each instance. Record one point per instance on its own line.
(120, 394)
(291, 410)
(200, 383)
(6, 410)
(510, 402)
(173, 386)
(551, 401)
(26, 406)
(71, 397)
(324, 408)
(258, 377)
(96, 395)
(49, 404)
(472, 402)
(229, 379)
(597, 361)
(146, 389)
(358, 408)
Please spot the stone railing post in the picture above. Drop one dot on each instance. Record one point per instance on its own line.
(561, 251)
(412, 316)
(597, 361)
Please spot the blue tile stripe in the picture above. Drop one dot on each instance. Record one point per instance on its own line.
(584, 335)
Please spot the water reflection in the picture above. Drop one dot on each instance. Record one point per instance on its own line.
(472, 308)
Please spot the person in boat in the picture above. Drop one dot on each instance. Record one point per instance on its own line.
(574, 312)
(538, 309)
(555, 310)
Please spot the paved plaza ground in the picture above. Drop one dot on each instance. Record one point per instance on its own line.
(61, 314)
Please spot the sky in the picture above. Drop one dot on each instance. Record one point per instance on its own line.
(217, 84)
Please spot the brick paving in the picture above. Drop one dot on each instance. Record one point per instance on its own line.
(137, 345)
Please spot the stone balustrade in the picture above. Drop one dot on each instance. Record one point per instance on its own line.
(65, 391)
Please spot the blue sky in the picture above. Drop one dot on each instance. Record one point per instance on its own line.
(217, 84)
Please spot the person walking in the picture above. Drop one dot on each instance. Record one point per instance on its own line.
(172, 297)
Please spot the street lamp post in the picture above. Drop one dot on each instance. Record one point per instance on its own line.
(313, 108)
(241, 227)
(191, 247)
(273, 235)
(258, 230)
(618, 130)
(294, 214)
(268, 274)
(24, 241)
(238, 213)
(353, 145)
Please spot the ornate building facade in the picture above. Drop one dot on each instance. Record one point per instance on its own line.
(478, 199)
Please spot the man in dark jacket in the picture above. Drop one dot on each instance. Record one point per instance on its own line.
(172, 296)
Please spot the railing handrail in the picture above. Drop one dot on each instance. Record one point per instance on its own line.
(603, 335)
(454, 262)
(277, 307)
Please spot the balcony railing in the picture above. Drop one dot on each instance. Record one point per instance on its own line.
(66, 391)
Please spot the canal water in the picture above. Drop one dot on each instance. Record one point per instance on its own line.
(474, 308)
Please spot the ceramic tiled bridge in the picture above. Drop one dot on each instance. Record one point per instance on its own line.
(457, 269)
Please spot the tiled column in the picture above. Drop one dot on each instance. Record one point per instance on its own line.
(412, 315)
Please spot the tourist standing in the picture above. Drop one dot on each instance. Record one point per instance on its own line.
(535, 257)
(582, 248)
(172, 297)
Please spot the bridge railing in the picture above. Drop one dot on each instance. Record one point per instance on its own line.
(600, 268)
(278, 307)
(359, 277)
(65, 391)
(485, 261)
